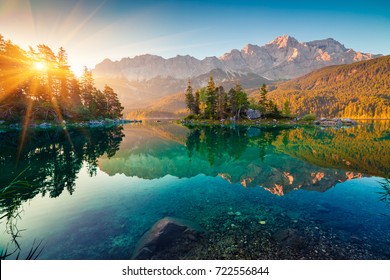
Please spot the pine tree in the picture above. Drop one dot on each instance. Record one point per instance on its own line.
(64, 80)
(241, 100)
(50, 92)
(263, 98)
(87, 88)
(114, 108)
(232, 102)
(211, 84)
(75, 92)
(221, 103)
(197, 103)
(39, 85)
(211, 100)
(190, 99)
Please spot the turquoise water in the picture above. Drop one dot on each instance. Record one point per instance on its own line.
(258, 193)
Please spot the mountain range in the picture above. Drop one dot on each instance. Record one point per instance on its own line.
(142, 80)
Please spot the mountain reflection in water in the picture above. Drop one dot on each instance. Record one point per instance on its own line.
(275, 158)
(124, 179)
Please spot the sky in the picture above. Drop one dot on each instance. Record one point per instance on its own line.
(92, 30)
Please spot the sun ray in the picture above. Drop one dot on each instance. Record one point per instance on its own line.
(24, 129)
(83, 23)
(32, 76)
(12, 83)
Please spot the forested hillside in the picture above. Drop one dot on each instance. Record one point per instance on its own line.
(358, 90)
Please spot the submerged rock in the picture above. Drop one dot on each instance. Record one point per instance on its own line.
(164, 235)
(289, 237)
(293, 215)
(253, 132)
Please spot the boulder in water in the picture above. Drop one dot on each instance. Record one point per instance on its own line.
(163, 235)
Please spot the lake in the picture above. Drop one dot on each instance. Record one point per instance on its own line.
(275, 192)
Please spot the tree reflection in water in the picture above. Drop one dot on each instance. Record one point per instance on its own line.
(48, 164)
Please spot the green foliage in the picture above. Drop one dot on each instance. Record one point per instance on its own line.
(210, 110)
(263, 98)
(268, 108)
(241, 100)
(38, 85)
(309, 117)
(113, 108)
(197, 103)
(192, 101)
(214, 103)
(222, 103)
(191, 117)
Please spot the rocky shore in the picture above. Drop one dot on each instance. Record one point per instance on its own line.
(65, 124)
(335, 122)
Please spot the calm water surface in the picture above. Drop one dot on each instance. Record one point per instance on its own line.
(258, 193)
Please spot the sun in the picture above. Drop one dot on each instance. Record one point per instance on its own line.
(40, 66)
(77, 70)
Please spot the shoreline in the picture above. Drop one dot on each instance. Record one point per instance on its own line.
(64, 125)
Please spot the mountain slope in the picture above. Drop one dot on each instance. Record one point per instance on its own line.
(282, 58)
(358, 90)
(286, 58)
(144, 79)
(154, 94)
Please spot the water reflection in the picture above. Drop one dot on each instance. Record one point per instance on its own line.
(279, 160)
(48, 164)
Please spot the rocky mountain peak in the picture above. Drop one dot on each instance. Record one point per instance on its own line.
(250, 49)
(329, 45)
(284, 42)
(282, 58)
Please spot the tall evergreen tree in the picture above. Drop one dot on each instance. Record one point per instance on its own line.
(221, 102)
(87, 88)
(211, 100)
(64, 76)
(75, 92)
(114, 108)
(197, 103)
(190, 99)
(242, 100)
(232, 102)
(263, 98)
(49, 59)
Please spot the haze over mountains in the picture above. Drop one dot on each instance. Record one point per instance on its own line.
(142, 80)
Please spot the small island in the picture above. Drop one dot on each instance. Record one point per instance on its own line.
(213, 105)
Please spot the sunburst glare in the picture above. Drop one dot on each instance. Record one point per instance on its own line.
(40, 66)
